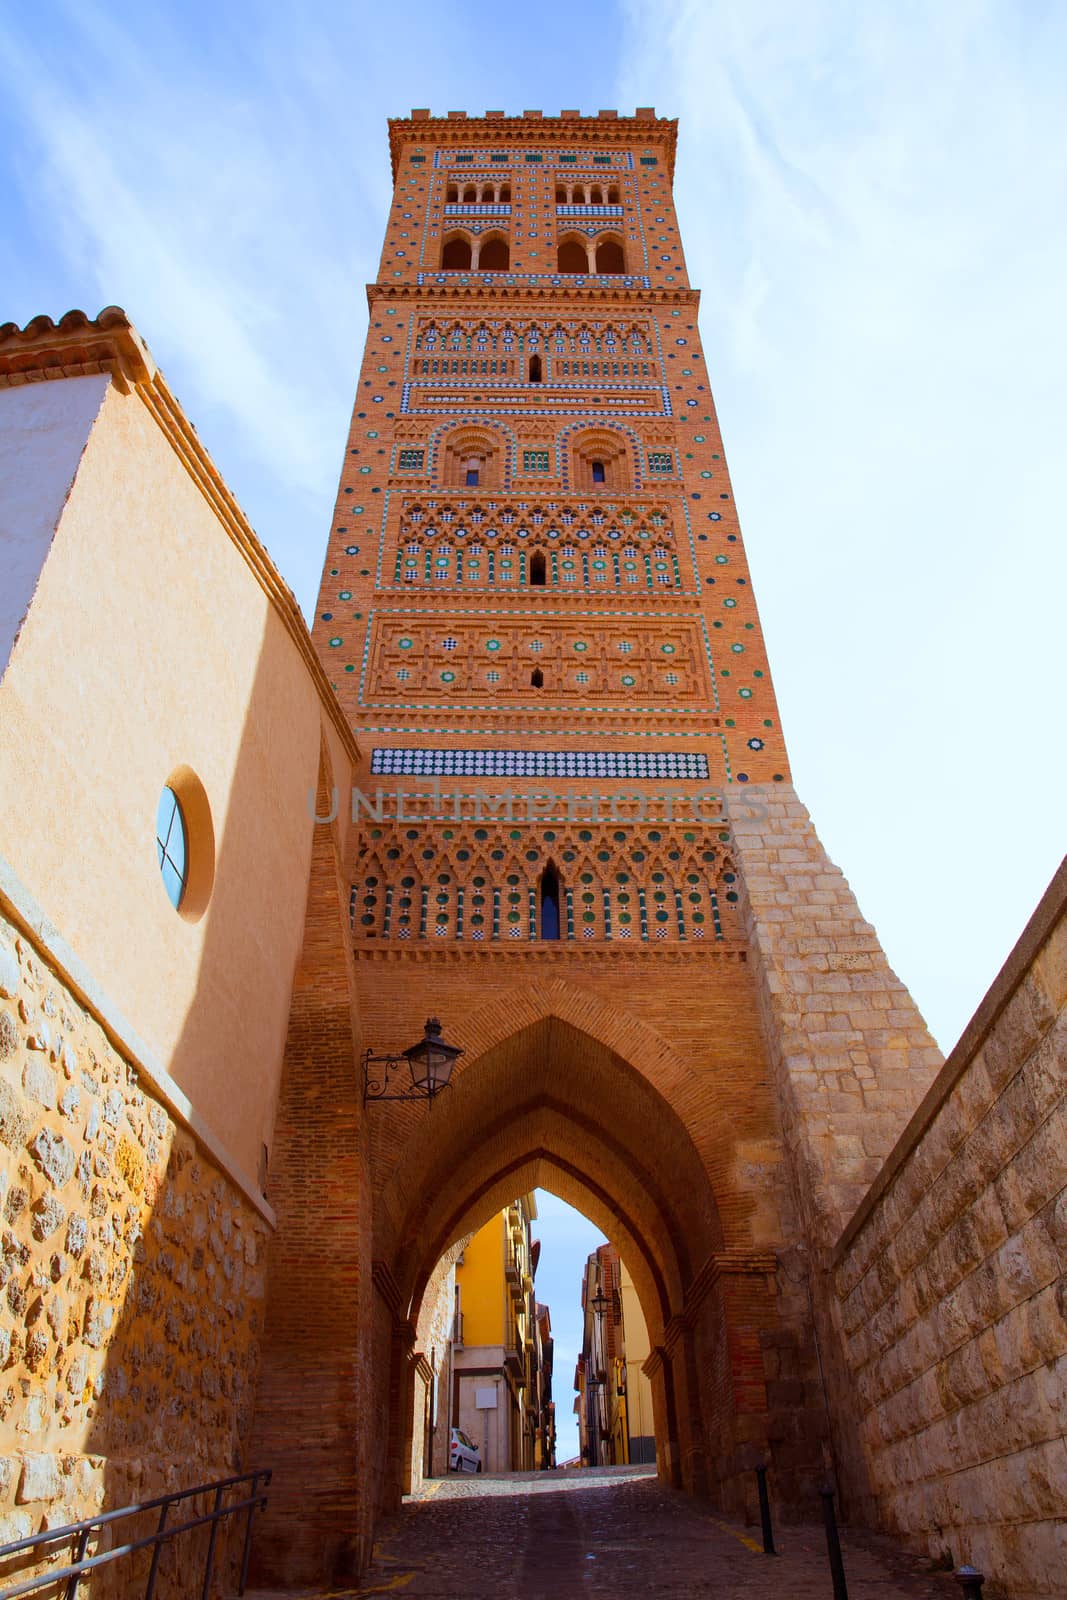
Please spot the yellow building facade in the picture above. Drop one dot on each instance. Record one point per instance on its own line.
(494, 1356)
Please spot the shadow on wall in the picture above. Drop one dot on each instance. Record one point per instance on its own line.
(133, 1267)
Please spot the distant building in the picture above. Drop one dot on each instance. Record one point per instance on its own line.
(545, 1444)
(498, 1378)
(614, 1397)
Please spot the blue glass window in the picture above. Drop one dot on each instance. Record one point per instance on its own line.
(172, 846)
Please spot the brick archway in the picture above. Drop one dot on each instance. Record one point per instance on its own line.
(547, 1097)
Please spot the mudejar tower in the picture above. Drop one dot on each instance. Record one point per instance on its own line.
(537, 614)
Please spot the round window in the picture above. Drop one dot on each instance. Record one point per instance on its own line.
(172, 846)
(185, 843)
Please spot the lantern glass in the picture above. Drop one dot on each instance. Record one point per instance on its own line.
(431, 1060)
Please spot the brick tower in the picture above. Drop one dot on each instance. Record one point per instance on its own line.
(587, 857)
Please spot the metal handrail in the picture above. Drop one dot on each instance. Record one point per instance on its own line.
(81, 1532)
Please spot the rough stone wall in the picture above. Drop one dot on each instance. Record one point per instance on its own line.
(851, 1058)
(852, 1055)
(132, 1280)
(953, 1295)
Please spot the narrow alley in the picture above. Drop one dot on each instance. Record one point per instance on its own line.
(611, 1532)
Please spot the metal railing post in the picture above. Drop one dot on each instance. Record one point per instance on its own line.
(765, 1512)
(83, 1545)
(157, 1552)
(209, 1568)
(247, 1551)
(970, 1581)
(833, 1545)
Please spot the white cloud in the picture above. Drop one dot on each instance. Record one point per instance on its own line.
(872, 204)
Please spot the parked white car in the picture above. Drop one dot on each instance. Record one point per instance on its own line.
(463, 1454)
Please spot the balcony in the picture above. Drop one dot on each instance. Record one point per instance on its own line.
(457, 1330)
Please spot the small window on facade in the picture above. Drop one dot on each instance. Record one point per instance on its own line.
(172, 846)
(411, 460)
(537, 569)
(598, 472)
(571, 256)
(472, 477)
(535, 460)
(535, 369)
(456, 255)
(537, 678)
(494, 255)
(550, 898)
(660, 461)
(609, 256)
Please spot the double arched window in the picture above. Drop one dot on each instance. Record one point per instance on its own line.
(488, 252)
(603, 255)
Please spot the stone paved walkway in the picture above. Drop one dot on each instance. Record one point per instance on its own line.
(548, 1536)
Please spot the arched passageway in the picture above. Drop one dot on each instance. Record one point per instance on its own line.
(550, 1105)
(562, 1088)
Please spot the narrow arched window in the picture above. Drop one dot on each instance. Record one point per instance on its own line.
(487, 193)
(505, 191)
(537, 569)
(473, 467)
(452, 197)
(456, 255)
(535, 369)
(609, 256)
(596, 198)
(470, 194)
(494, 254)
(598, 472)
(561, 195)
(550, 897)
(571, 256)
(537, 678)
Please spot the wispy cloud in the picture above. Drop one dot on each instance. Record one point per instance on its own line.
(221, 185)
(872, 200)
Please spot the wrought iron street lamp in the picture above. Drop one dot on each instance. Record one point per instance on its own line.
(429, 1062)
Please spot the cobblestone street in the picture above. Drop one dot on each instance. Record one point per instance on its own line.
(617, 1532)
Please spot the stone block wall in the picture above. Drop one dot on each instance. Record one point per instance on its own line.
(952, 1293)
(131, 1282)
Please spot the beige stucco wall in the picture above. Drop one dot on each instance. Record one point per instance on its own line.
(151, 644)
(43, 431)
(638, 1350)
(952, 1289)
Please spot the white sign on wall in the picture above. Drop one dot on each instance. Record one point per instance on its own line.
(485, 1399)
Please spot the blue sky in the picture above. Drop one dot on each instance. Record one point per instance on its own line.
(873, 204)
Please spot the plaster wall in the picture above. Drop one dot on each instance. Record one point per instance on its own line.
(150, 645)
(638, 1350)
(44, 428)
